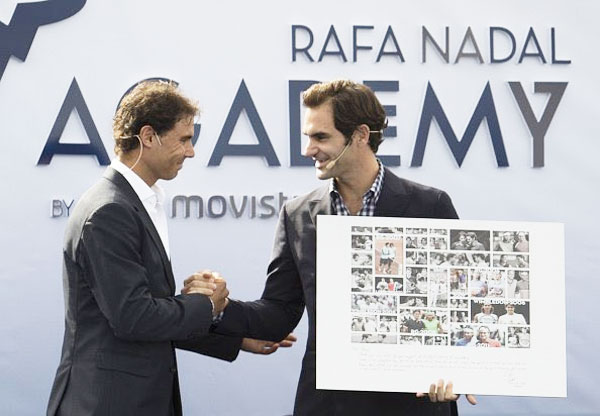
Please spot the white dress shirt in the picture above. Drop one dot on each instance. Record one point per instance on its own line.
(152, 198)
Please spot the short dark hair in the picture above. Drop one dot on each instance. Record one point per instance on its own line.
(353, 104)
(158, 104)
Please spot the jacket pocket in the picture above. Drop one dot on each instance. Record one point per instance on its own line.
(124, 361)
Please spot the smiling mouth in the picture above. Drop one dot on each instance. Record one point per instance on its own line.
(320, 164)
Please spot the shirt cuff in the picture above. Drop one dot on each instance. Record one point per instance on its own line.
(215, 319)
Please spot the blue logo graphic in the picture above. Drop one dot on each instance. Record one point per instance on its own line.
(17, 37)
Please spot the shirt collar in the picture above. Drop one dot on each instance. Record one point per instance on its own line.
(374, 190)
(150, 196)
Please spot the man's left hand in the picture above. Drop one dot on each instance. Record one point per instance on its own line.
(257, 346)
(443, 393)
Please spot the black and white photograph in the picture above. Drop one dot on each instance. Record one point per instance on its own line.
(478, 259)
(415, 257)
(518, 337)
(472, 240)
(511, 241)
(364, 323)
(416, 230)
(360, 229)
(438, 231)
(410, 340)
(436, 340)
(362, 242)
(456, 303)
(361, 258)
(388, 230)
(377, 338)
(438, 243)
(496, 283)
(362, 279)
(415, 280)
(457, 316)
(517, 284)
(437, 291)
(388, 323)
(439, 258)
(413, 301)
(519, 261)
(374, 303)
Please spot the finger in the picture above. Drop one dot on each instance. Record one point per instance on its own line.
(440, 391)
(201, 285)
(291, 337)
(285, 343)
(199, 276)
(200, 291)
(449, 394)
(471, 399)
(419, 395)
(269, 348)
(432, 395)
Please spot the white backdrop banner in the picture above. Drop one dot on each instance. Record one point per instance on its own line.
(494, 102)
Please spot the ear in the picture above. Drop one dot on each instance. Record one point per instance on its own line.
(147, 136)
(361, 134)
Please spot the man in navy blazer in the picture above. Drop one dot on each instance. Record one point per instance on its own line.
(122, 319)
(344, 123)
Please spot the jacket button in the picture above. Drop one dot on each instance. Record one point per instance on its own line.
(173, 369)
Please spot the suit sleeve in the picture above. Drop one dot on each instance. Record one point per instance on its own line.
(109, 251)
(281, 306)
(213, 345)
(444, 207)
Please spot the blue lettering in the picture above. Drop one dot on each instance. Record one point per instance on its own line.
(264, 148)
(432, 109)
(74, 101)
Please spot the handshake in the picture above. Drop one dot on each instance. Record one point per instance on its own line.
(214, 286)
(210, 284)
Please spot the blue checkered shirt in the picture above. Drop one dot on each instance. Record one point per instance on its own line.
(369, 200)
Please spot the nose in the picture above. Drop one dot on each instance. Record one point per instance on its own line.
(189, 149)
(310, 150)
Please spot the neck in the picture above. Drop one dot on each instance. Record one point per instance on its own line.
(140, 169)
(354, 183)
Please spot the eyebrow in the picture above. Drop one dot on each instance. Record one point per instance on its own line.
(318, 134)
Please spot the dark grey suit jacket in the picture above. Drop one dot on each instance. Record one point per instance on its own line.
(122, 320)
(291, 286)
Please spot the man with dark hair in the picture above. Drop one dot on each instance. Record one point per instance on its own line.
(473, 243)
(344, 122)
(123, 319)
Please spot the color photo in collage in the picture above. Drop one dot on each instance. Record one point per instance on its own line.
(452, 287)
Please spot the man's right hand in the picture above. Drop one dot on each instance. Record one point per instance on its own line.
(202, 283)
(210, 284)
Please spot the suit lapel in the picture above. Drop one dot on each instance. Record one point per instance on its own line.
(394, 198)
(118, 179)
(320, 204)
